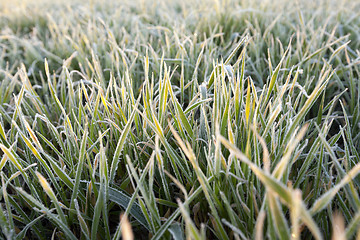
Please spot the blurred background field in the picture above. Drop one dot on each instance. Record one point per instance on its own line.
(195, 119)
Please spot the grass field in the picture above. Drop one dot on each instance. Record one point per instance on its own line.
(180, 120)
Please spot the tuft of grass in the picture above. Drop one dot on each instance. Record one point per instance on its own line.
(179, 120)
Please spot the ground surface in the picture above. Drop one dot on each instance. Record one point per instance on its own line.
(195, 119)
